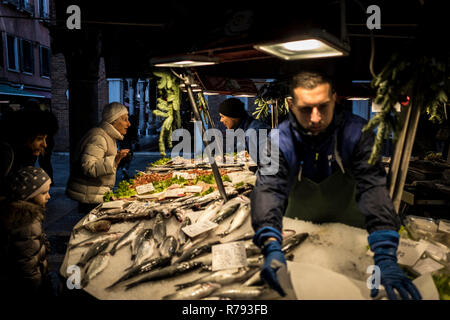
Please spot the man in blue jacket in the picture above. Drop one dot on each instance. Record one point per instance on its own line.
(323, 155)
(233, 116)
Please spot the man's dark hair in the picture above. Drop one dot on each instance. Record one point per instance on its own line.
(310, 80)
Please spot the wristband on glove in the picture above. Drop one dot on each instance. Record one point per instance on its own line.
(266, 232)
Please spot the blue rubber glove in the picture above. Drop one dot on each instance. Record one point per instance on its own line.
(384, 244)
(273, 260)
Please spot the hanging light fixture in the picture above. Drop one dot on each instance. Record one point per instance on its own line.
(309, 45)
(184, 61)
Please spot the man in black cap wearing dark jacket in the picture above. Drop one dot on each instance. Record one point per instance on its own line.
(233, 116)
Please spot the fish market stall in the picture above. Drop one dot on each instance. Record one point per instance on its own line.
(171, 236)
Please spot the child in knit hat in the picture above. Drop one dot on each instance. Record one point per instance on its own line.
(23, 244)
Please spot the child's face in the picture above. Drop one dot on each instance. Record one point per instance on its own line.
(42, 198)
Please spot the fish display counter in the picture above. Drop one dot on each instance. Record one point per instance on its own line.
(188, 244)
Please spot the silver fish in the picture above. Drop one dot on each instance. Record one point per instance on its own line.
(210, 212)
(292, 242)
(240, 292)
(92, 252)
(254, 279)
(195, 292)
(147, 266)
(127, 237)
(168, 247)
(182, 236)
(226, 211)
(239, 218)
(97, 238)
(196, 251)
(97, 265)
(222, 277)
(136, 243)
(145, 251)
(170, 271)
(159, 229)
(192, 242)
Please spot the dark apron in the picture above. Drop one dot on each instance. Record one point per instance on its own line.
(332, 200)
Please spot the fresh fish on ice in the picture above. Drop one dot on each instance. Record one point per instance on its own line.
(92, 252)
(97, 238)
(168, 247)
(210, 212)
(239, 218)
(182, 236)
(145, 267)
(145, 251)
(193, 293)
(226, 211)
(223, 277)
(159, 229)
(167, 272)
(127, 237)
(97, 265)
(196, 251)
(136, 243)
(240, 292)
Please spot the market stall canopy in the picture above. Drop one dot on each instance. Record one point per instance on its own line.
(133, 33)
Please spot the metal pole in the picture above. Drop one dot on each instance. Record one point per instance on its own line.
(275, 114)
(208, 115)
(188, 81)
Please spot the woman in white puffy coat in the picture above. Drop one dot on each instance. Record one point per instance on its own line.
(93, 169)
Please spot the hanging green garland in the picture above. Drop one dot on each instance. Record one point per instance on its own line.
(271, 93)
(168, 104)
(424, 78)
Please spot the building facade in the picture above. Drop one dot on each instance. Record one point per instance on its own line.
(24, 53)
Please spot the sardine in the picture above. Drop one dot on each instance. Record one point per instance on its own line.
(293, 241)
(239, 218)
(223, 277)
(196, 251)
(159, 229)
(97, 238)
(182, 236)
(145, 267)
(240, 292)
(170, 271)
(127, 237)
(210, 212)
(195, 292)
(136, 243)
(226, 211)
(97, 265)
(168, 247)
(93, 251)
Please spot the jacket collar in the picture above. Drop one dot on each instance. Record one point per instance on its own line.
(19, 213)
(245, 122)
(303, 135)
(111, 131)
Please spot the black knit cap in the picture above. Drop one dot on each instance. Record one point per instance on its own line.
(232, 107)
